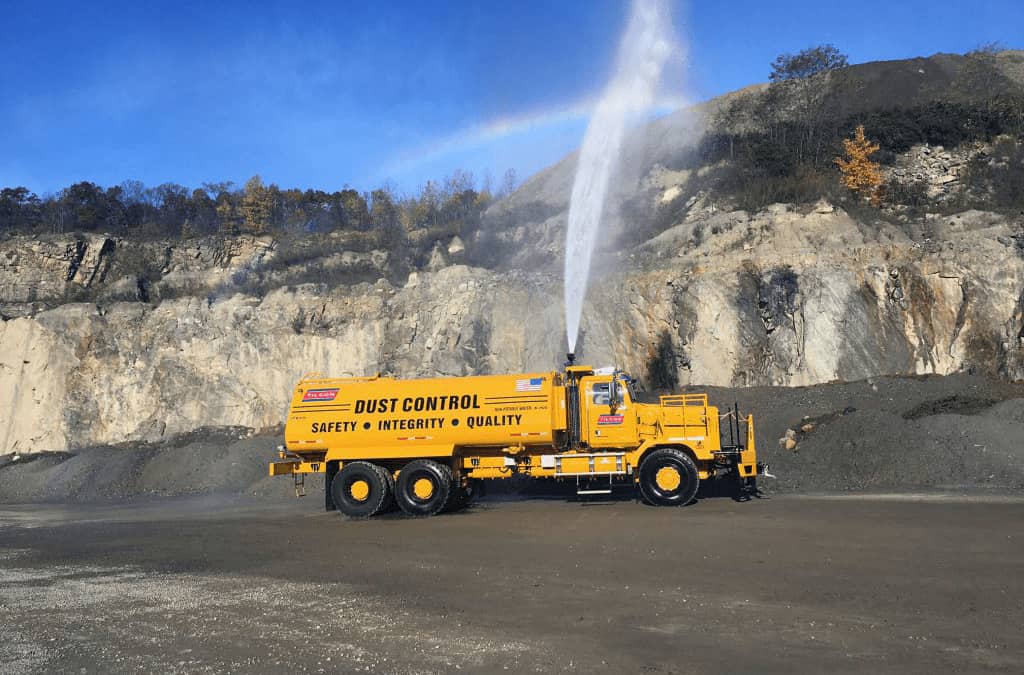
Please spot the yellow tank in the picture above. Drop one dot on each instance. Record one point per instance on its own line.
(425, 444)
(384, 418)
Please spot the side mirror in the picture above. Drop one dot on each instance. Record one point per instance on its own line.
(613, 393)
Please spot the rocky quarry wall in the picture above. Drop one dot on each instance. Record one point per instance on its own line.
(788, 297)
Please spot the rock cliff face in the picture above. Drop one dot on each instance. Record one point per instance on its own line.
(787, 296)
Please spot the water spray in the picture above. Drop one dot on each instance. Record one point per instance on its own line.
(646, 46)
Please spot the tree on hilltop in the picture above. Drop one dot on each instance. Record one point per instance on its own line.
(258, 202)
(386, 219)
(441, 210)
(807, 62)
(860, 174)
(508, 183)
(18, 205)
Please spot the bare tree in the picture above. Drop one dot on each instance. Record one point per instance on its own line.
(807, 62)
(508, 182)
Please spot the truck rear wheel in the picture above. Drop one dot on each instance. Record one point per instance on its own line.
(362, 489)
(423, 487)
(668, 477)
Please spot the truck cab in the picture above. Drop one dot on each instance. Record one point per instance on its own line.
(611, 415)
(610, 418)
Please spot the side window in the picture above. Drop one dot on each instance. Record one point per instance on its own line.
(600, 394)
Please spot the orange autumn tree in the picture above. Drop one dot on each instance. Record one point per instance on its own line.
(860, 174)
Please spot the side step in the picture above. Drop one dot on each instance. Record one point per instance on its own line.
(589, 490)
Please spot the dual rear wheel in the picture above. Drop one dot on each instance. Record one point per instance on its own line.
(362, 489)
(423, 488)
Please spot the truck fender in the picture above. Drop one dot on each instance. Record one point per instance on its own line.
(650, 446)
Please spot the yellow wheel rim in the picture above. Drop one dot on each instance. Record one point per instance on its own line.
(360, 490)
(423, 488)
(668, 478)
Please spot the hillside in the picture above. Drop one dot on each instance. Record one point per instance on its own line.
(732, 258)
(740, 151)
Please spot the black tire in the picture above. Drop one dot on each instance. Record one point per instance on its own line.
(411, 488)
(362, 489)
(677, 466)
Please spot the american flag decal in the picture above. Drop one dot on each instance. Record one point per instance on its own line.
(533, 384)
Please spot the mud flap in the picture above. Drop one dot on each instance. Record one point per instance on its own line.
(332, 470)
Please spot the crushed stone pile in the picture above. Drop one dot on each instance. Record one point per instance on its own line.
(959, 432)
(962, 433)
(230, 460)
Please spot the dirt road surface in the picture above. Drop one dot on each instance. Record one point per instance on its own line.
(775, 585)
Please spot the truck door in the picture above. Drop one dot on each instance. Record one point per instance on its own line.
(607, 426)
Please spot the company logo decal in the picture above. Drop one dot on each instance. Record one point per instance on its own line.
(320, 395)
(609, 419)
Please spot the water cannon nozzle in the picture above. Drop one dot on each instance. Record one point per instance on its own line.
(570, 359)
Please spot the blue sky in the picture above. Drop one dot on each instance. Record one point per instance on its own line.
(358, 93)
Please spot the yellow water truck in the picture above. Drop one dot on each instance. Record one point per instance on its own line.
(426, 444)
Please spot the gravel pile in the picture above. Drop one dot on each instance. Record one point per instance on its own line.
(207, 461)
(959, 433)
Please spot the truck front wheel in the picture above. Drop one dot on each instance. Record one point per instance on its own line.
(362, 489)
(668, 477)
(423, 487)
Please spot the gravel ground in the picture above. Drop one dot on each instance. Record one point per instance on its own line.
(778, 585)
